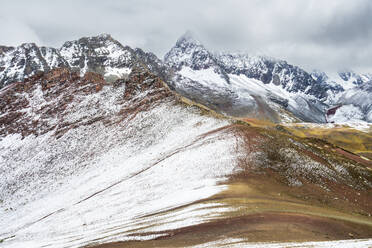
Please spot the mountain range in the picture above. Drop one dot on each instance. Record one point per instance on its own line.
(235, 84)
(103, 145)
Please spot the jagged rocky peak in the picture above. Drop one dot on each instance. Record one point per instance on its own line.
(17, 63)
(319, 76)
(193, 70)
(94, 44)
(354, 78)
(189, 52)
(92, 41)
(188, 40)
(100, 54)
(344, 79)
(346, 75)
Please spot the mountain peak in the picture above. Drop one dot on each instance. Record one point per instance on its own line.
(28, 45)
(188, 38)
(100, 39)
(104, 36)
(188, 51)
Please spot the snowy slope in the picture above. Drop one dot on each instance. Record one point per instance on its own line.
(122, 174)
(361, 98)
(98, 152)
(346, 113)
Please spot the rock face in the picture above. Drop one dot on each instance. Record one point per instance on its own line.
(100, 54)
(45, 102)
(17, 63)
(29, 107)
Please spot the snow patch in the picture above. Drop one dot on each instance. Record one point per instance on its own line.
(347, 113)
(117, 72)
(207, 76)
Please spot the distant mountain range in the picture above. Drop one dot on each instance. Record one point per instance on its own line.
(257, 86)
(234, 84)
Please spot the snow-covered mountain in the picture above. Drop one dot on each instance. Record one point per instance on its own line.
(101, 54)
(235, 84)
(101, 150)
(243, 85)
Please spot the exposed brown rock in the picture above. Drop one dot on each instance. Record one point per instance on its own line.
(61, 89)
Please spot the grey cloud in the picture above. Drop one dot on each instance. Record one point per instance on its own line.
(353, 25)
(15, 32)
(329, 35)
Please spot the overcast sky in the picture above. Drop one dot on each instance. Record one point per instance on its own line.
(328, 35)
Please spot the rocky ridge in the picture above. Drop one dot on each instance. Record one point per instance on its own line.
(100, 54)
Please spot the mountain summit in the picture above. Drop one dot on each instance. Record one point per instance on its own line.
(191, 53)
(188, 40)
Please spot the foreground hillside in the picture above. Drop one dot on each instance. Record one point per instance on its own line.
(130, 163)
